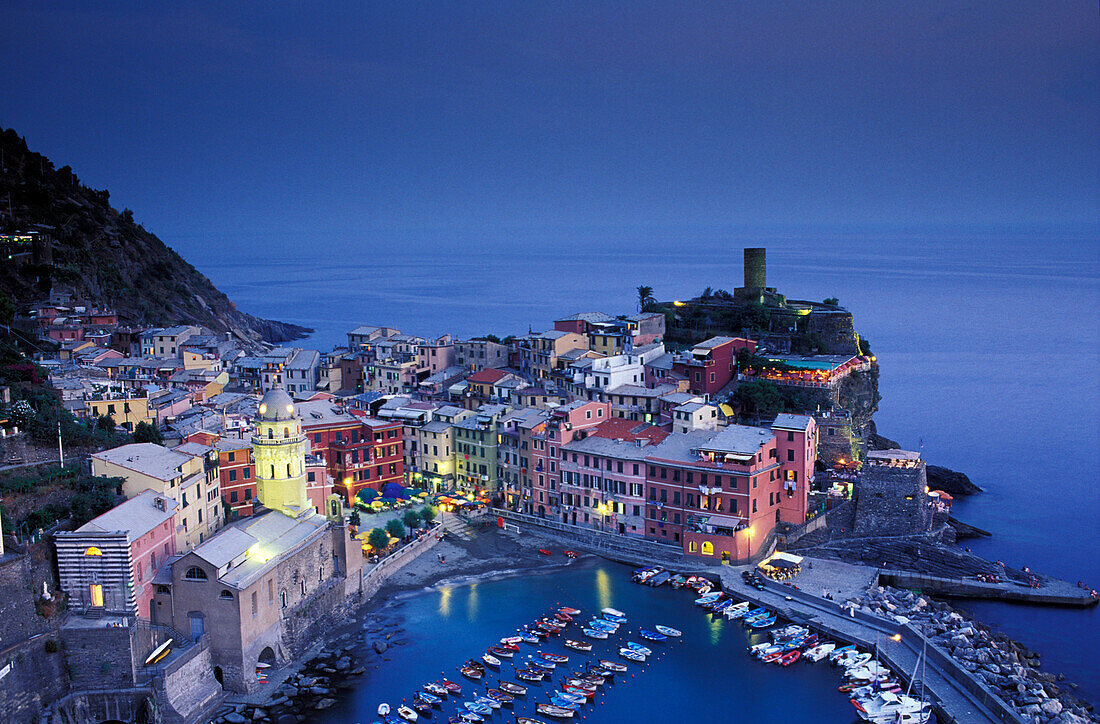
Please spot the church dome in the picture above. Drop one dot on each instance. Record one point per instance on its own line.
(276, 405)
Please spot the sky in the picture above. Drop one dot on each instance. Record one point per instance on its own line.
(315, 124)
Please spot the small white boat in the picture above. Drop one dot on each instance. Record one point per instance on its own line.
(817, 653)
(708, 598)
(490, 659)
(631, 654)
(406, 713)
(737, 610)
(668, 631)
(383, 709)
(613, 612)
(856, 660)
(885, 706)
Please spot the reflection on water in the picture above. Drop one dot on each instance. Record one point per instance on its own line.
(715, 626)
(472, 601)
(445, 601)
(603, 588)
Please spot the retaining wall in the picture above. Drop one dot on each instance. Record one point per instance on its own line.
(30, 680)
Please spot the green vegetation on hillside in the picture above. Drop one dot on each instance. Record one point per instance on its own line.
(104, 256)
(42, 496)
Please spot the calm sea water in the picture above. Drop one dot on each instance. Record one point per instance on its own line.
(989, 346)
(705, 676)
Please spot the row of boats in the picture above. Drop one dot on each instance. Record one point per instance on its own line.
(874, 690)
(569, 695)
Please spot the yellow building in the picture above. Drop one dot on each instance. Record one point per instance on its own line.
(279, 449)
(127, 412)
(188, 475)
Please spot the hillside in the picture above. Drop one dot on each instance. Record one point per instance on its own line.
(103, 257)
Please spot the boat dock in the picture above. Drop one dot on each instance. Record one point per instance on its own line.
(1052, 591)
(956, 694)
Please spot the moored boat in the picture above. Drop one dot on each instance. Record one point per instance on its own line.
(639, 648)
(613, 666)
(451, 687)
(383, 709)
(559, 712)
(594, 633)
(554, 658)
(569, 611)
(433, 688)
(652, 635)
(708, 598)
(668, 631)
(406, 713)
(613, 612)
(578, 645)
(502, 696)
(490, 660)
(502, 652)
(789, 658)
(817, 653)
(659, 579)
(631, 654)
(514, 689)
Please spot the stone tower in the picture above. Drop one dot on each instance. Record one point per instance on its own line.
(279, 447)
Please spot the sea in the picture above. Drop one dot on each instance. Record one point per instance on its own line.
(704, 675)
(988, 341)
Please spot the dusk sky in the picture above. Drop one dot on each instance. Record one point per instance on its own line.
(356, 119)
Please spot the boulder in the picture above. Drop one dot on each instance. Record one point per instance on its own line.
(1051, 707)
(235, 718)
(324, 704)
(379, 647)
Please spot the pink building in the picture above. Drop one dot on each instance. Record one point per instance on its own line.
(604, 474)
(109, 562)
(711, 364)
(565, 423)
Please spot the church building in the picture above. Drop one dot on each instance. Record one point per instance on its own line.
(249, 585)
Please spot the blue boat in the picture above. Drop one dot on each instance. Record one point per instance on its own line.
(652, 635)
(763, 623)
(722, 605)
(614, 619)
(639, 648)
(594, 633)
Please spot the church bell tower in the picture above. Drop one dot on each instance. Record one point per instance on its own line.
(279, 448)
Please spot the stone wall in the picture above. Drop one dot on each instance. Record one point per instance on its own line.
(99, 657)
(187, 688)
(21, 579)
(836, 330)
(31, 678)
(892, 501)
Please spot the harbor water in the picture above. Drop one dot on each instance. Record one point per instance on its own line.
(706, 675)
(989, 346)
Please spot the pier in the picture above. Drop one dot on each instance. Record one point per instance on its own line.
(1052, 591)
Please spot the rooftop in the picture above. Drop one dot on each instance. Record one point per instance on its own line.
(787, 421)
(274, 535)
(587, 317)
(146, 458)
(137, 516)
(737, 440)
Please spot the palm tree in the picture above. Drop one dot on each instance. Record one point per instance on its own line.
(645, 297)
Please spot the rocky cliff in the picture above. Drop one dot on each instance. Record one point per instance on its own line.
(103, 257)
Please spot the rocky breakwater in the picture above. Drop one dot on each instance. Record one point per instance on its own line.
(304, 695)
(1008, 668)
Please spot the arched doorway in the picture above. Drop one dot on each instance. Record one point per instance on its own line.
(267, 657)
(218, 675)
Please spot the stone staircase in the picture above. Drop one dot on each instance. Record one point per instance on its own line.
(460, 528)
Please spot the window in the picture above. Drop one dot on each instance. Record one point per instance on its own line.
(232, 476)
(194, 573)
(790, 437)
(92, 551)
(754, 505)
(790, 455)
(708, 548)
(233, 496)
(226, 595)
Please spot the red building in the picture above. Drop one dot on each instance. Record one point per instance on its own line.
(566, 423)
(711, 365)
(238, 474)
(722, 493)
(359, 452)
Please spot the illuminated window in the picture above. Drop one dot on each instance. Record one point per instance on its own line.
(708, 548)
(92, 551)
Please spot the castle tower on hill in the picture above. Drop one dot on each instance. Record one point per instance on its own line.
(279, 447)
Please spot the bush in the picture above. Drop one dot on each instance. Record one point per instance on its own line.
(396, 528)
(144, 432)
(428, 513)
(52, 647)
(378, 539)
(412, 519)
(354, 518)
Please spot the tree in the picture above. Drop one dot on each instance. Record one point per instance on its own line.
(759, 398)
(379, 540)
(354, 518)
(144, 432)
(105, 422)
(395, 528)
(7, 309)
(645, 297)
(412, 519)
(428, 514)
(831, 301)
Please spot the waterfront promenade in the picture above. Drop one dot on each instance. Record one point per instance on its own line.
(955, 693)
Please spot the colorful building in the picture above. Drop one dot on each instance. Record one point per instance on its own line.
(711, 364)
(109, 562)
